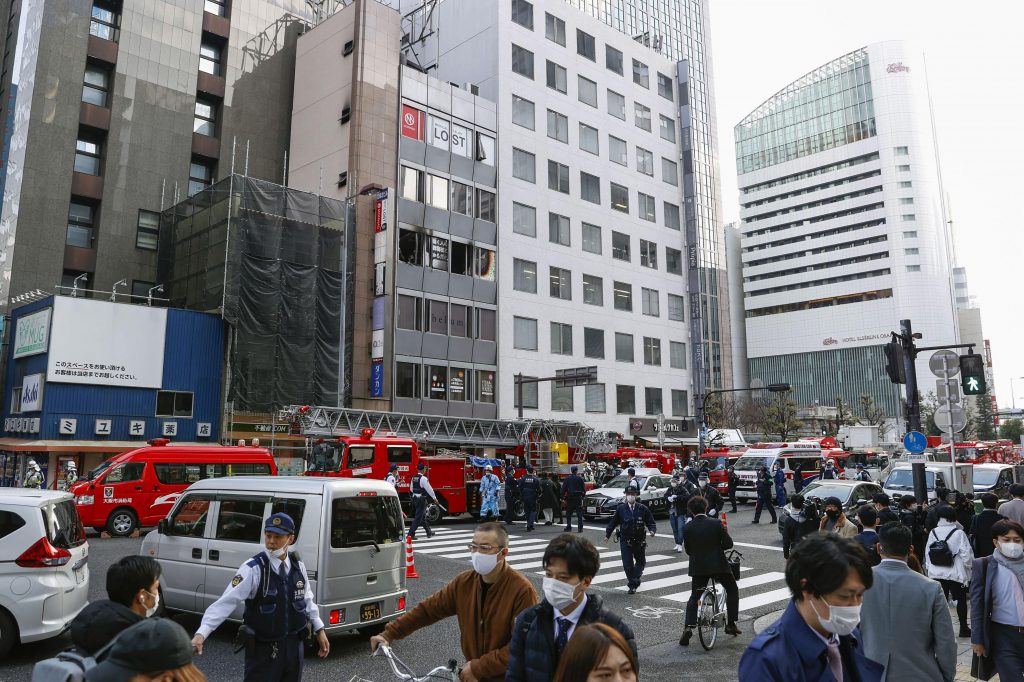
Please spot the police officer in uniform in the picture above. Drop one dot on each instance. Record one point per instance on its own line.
(779, 477)
(33, 475)
(711, 494)
(511, 494)
(529, 488)
(278, 608)
(733, 480)
(421, 493)
(798, 478)
(829, 472)
(764, 496)
(634, 521)
(573, 491)
(392, 476)
(861, 474)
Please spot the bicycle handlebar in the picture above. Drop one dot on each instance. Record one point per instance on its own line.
(451, 669)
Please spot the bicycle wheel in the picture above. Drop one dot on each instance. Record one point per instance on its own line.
(707, 630)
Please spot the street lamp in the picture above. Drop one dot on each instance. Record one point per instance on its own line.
(1013, 394)
(771, 388)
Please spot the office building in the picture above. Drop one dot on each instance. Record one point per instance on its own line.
(737, 321)
(843, 225)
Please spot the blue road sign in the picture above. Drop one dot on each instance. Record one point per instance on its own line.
(915, 441)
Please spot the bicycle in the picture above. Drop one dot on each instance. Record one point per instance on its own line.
(404, 672)
(711, 609)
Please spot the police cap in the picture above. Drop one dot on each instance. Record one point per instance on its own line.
(281, 524)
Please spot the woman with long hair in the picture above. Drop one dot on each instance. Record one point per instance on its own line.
(596, 653)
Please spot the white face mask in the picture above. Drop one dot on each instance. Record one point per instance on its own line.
(630, 499)
(278, 553)
(1011, 550)
(842, 620)
(560, 595)
(156, 603)
(484, 563)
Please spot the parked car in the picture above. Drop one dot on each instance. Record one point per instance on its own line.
(44, 571)
(601, 502)
(851, 494)
(994, 478)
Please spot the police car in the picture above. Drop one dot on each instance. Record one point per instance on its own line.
(601, 502)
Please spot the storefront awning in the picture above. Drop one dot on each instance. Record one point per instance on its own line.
(28, 445)
(669, 442)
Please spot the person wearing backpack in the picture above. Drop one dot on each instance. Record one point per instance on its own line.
(868, 537)
(948, 558)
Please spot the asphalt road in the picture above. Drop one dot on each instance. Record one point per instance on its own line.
(655, 613)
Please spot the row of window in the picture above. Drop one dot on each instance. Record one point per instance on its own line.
(796, 177)
(524, 165)
(595, 396)
(441, 317)
(866, 208)
(820, 282)
(449, 255)
(524, 222)
(559, 233)
(586, 47)
(824, 201)
(524, 115)
(82, 220)
(840, 263)
(524, 337)
(824, 249)
(441, 382)
(824, 234)
(814, 304)
(560, 286)
(816, 188)
(448, 195)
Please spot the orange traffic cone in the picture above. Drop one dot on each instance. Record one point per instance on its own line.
(725, 521)
(410, 562)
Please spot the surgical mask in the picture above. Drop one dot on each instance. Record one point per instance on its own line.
(156, 603)
(832, 514)
(1011, 550)
(560, 595)
(630, 499)
(278, 553)
(484, 563)
(842, 620)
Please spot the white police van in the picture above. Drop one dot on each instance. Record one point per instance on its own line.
(808, 454)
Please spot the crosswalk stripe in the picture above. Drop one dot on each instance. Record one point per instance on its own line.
(537, 544)
(752, 581)
(649, 570)
(671, 581)
(528, 561)
(765, 598)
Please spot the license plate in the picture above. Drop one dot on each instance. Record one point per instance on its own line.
(591, 510)
(79, 577)
(369, 612)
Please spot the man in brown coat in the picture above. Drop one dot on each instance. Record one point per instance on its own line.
(485, 600)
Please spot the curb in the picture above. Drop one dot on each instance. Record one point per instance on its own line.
(761, 623)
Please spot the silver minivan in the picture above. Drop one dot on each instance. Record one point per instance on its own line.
(349, 536)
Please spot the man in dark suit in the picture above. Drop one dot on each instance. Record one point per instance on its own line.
(705, 541)
(981, 528)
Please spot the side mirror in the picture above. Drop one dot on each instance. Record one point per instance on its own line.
(161, 527)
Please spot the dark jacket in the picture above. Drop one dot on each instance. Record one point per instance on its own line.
(531, 653)
(932, 519)
(549, 494)
(714, 498)
(983, 572)
(789, 651)
(511, 486)
(99, 622)
(764, 486)
(573, 486)
(529, 488)
(798, 477)
(887, 515)
(868, 539)
(981, 532)
(682, 493)
(632, 521)
(794, 530)
(705, 542)
(733, 480)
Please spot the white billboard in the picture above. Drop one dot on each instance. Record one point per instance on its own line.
(32, 393)
(31, 332)
(106, 344)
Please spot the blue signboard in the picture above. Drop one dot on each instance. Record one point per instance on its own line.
(377, 379)
(915, 441)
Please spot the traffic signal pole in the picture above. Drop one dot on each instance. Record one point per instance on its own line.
(913, 405)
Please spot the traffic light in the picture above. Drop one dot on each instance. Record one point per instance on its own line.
(972, 374)
(894, 362)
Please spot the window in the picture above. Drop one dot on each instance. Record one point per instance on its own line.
(524, 333)
(910, 234)
(483, 263)
(437, 316)
(622, 296)
(590, 188)
(679, 403)
(620, 246)
(16, 400)
(524, 276)
(913, 268)
(644, 161)
(96, 86)
(530, 395)
(617, 150)
(558, 229)
(173, 404)
(524, 165)
(665, 86)
(485, 149)
(671, 215)
(648, 254)
(613, 59)
(586, 90)
(625, 399)
(462, 199)
(486, 208)
(216, 7)
(593, 290)
(407, 380)
(676, 308)
(594, 397)
(561, 283)
(588, 139)
(361, 521)
(652, 351)
(624, 347)
(616, 105)
(907, 201)
(908, 217)
(585, 45)
(902, 151)
(558, 126)
(641, 75)
(205, 120)
(905, 184)
(911, 252)
(642, 116)
(558, 177)
(620, 197)
(557, 79)
(409, 312)
(80, 225)
(147, 230)
(523, 112)
(591, 238)
(461, 259)
(437, 386)
(486, 329)
(87, 156)
(210, 57)
(128, 471)
(673, 261)
(593, 343)
(458, 321)
(412, 184)
(903, 168)
(410, 247)
(522, 13)
(652, 400)
(522, 62)
(190, 516)
(561, 399)
(677, 354)
(669, 171)
(554, 29)
(524, 220)
(667, 128)
(561, 338)
(104, 21)
(240, 520)
(649, 300)
(485, 386)
(437, 191)
(646, 207)
(200, 176)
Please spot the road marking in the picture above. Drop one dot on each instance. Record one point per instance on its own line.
(527, 562)
(536, 544)
(671, 581)
(747, 544)
(649, 570)
(765, 598)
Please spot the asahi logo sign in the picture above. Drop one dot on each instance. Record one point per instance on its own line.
(32, 393)
(897, 67)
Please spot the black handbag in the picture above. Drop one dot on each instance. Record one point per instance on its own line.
(733, 558)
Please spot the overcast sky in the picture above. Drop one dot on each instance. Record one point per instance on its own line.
(976, 73)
